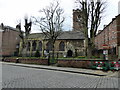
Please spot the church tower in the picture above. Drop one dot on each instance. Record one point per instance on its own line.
(76, 20)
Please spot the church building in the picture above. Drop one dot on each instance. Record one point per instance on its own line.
(68, 44)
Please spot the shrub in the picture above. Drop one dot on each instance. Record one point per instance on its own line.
(81, 57)
(37, 54)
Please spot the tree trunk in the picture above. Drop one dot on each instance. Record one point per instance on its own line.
(86, 41)
(86, 46)
(53, 52)
(89, 51)
(91, 47)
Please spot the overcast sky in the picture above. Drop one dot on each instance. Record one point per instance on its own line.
(11, 11)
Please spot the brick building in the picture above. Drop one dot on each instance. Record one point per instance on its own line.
(1, 41)
(9, 40)
(110, 36)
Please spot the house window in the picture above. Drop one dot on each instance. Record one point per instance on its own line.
(61, 46)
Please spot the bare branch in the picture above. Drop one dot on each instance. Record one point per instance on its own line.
(91, 13)
(51, 23)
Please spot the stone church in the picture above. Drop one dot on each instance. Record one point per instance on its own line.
(69, 43)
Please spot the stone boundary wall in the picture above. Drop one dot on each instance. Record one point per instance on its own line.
(28, 61)
(77, 63)
(60, 62)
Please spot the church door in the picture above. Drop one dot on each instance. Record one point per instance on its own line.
(69, 53)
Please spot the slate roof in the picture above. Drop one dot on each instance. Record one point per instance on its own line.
(36, 35)
(71, 35)
(8, 27)
(11, 28)
(66, 35)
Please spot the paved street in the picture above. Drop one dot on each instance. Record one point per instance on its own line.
(24, 77)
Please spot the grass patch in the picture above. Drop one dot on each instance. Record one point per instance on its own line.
(64, 58)
(80, 58)
(26, 57)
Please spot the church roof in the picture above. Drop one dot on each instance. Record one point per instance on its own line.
(71, 35)
(66, 35)
(36, 35)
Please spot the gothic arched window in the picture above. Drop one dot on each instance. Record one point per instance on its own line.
(28, 46)
(34, 45)
(40, 46)
(61, 46)
(49, 46)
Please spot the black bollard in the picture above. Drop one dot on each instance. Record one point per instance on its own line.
(17, 60)
(48, 59)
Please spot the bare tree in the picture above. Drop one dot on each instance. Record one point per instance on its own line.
(24, 35)
(91, 12)
(51, 22)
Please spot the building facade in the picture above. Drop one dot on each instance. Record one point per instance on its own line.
(110, 36)
(9, 40)
(68, 44)
(1, 42)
